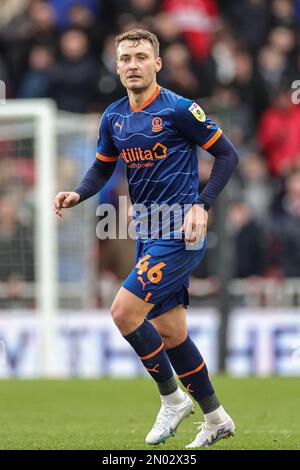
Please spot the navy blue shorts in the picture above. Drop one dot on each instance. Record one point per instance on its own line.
(161, 275)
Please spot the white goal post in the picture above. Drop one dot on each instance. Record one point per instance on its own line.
(43, 113)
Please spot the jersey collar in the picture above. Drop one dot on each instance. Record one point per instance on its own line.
(148, 101)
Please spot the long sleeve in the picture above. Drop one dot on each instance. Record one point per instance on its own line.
(192, 121)
(95, 179)
(226, 159)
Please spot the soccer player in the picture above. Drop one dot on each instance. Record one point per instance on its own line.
(156, 133)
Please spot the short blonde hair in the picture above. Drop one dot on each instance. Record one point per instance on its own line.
(138, 35)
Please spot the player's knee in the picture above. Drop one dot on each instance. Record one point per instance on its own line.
(123, 319)
(171, 340)
(118, 314)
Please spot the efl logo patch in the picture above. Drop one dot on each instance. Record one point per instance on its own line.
(197, 112)
(156, 124)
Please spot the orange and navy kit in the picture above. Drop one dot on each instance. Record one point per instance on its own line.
(158, 144)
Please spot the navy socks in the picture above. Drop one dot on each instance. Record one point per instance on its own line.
(192, 371)
(185, 359)
(148, 345)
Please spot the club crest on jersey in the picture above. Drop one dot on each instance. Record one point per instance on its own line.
(198, 112)
(156, 124)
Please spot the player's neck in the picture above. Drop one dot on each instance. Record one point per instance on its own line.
(137, 100)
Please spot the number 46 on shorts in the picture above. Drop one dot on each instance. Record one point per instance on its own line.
(154, 274)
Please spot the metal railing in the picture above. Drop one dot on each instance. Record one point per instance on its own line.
(251, 292)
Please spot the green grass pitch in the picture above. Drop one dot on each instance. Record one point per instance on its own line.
(117, 414)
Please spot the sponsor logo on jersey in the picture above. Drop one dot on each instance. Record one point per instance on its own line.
(137, 154)
(198, 112)
(156, 124)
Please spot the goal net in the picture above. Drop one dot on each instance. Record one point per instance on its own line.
(46, 264)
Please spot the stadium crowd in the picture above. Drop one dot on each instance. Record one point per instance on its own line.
(237, 58)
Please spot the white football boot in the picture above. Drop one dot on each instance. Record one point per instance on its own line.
(168, 420)
(211, 433)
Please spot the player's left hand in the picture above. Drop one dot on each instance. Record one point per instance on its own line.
(195, 224)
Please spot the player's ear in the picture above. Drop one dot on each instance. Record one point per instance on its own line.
(117, 67)
(158, 64)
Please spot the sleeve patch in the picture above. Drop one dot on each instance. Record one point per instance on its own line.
(198, 112)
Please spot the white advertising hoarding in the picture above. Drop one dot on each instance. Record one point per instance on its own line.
(260, 342)
(87, 345)
(263, 342)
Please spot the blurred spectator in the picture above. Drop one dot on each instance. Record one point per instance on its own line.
(197, 20)
(166, 29)
(62, 9)
(178, 71)
(17, 177)
(256, 187)
(250, 255)
(223, 53)
(83, 18)
(137, 13)
(249, 21)
(283, 13)
(244, 81)
(73, 79)
(271, 71)
(235, 115)
(279, 134)
(43, 19)
(15, 172)
(109, 85)
(284, 40)
(28, 27)
(35, 83)
(288, 227)
(143, 10)
(16, 249)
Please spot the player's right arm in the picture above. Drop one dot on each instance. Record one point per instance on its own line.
(97, 175)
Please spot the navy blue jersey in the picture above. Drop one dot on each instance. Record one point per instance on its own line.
(157, 143)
